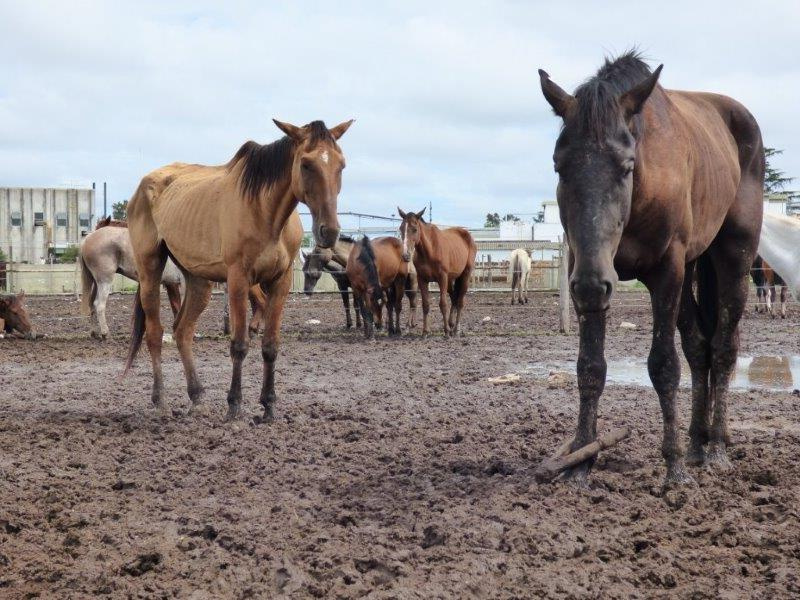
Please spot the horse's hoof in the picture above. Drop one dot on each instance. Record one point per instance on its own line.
(163, 411)
(234, 411)
(717, 459)
(677, 477)
(577, 476)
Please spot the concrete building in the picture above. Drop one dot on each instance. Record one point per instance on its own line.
(36, 223)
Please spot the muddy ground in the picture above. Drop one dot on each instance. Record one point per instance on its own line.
(393, 470)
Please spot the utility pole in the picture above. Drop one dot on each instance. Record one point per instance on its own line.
(105, 202)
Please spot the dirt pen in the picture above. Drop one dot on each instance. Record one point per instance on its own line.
(394, 469)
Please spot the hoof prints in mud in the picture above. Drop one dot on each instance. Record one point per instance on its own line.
(390, 468)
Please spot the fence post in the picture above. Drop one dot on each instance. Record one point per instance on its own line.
(563, 289)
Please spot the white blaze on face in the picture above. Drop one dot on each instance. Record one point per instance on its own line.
(324, 156)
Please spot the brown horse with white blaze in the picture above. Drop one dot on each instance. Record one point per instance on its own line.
(235, 223)
(379, 275)
(446, 256)
(662, 186)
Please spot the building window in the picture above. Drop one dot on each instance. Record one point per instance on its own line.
(61, 219)
(16, 219)
(38, 219)
(84, 220)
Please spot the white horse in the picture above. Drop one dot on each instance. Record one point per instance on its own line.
(779, 245)
(105, 252)
(520, 265)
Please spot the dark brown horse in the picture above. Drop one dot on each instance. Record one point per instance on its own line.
(446, 256)
(14, 315)
(235, 223)
(661, 186)
(379, 275)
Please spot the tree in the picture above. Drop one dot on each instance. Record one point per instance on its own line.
(774, 179)
(3, 257)
(513, 218)
(492, 220)
(119, 210)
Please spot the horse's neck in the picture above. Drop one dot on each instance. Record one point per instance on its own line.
(779, 245)
(276, 206)
(428, 240)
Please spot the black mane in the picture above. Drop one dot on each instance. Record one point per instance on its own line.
(597, 107)
(266, 165)
(366, 256)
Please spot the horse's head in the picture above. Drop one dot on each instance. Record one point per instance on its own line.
(13, 312)
(410, 231)
(317, 174)
(313, 264)
(594, 157)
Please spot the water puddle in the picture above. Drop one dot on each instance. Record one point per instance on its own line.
(772, 373)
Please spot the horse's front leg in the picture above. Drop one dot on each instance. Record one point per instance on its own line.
(277, 293)
(424, 293)
(443, 291)
(238, 288)
(665, 284)
(591, 371)
(346, 302)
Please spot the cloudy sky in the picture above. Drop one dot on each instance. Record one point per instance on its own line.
(445, 94)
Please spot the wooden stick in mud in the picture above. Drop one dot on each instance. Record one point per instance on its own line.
(551, 467)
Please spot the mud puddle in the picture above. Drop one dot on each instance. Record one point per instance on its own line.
(767, 373)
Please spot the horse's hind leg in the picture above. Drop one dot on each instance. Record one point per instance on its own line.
(273, 314)
(460, 293)
(665, 283)
(99, 306)
(784, 290)
(174, 295)
(198, 293)
(150, 297)
(697, 349)
(731, 271)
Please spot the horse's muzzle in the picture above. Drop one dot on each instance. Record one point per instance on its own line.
(406, 256)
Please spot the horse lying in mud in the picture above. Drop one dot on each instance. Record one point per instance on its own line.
(520, 266)
(659, 185)
(14, 316)
(446, 256)
(379, 275)
(766, 280)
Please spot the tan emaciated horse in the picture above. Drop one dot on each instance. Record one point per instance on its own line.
(446, 256)
(235, 223)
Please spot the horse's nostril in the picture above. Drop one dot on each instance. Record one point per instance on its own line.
(609, 288)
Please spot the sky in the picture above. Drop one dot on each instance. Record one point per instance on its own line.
(445, 94)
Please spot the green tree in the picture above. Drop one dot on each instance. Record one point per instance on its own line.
(510, 217)
(308, 241)
(492, 220)
(3, 257)
(774, 179)
(70, 254)
(119, 210)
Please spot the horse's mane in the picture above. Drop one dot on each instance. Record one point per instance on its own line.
(597, 107)
(109, 222)
(346, 238)
(265, 165)
(366, 256)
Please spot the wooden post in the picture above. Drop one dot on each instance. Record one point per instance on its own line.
(563, 288)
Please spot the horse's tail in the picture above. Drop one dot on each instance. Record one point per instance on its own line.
(366, 257)
(516, 271)
(88, 287)
(707, 296)
(138, 332)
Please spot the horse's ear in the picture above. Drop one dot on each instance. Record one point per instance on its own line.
(401, 212)
(420, 213)
(633, 100)
(339, 130)
(304, 255)
(560, 100)
(293, 131)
